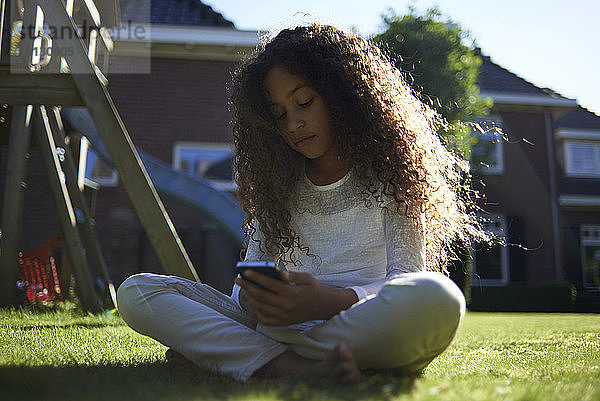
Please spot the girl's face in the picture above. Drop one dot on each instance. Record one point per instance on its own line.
(301, 114)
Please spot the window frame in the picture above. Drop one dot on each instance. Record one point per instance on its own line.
(222, 185)
(587, 242)
(570, 171)
(498, 168)
(107, 181)
(504, 256)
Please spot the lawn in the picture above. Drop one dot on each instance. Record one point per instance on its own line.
(63, 354)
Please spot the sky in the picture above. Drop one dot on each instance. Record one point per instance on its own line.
(550, 43)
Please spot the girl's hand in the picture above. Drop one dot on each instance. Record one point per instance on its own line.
(243, 297)
(298, 298)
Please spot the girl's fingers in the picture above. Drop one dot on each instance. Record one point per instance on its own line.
(298, 278)
(257, 294)
(268, 311)
(268, 314)
(271, 284)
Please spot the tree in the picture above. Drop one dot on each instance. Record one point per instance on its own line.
(440, 67)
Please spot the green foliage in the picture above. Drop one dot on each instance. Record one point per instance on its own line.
(64, 354)
(439, 66)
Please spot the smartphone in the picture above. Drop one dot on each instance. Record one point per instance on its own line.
(263, 267)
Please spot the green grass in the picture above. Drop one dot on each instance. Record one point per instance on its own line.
(63, 354)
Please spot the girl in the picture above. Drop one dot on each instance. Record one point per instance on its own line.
(345, 183)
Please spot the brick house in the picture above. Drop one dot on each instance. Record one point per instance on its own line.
(577, 139)
(542, 187)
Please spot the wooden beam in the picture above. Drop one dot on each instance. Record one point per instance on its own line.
(5, 30)
(38, 89)
(14, 196)
(65, 212)
(85, 224)
(110, 12)
(21, 61)
(132, 173)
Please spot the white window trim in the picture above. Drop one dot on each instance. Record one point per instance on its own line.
(569, 161)
(532, 100)
(111, 181)
(576, 133)
(587, 242)
(497, 169)
(579, 200)
(476, 280)
(222, 185)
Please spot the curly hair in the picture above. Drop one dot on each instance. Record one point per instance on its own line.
(389, 137)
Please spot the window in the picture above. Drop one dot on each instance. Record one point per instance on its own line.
(100, 172)
(490, 263)
(582, 159)
(211, 161)
(486, 155)
(590, 255)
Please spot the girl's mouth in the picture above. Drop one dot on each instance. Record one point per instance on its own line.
(304, 140)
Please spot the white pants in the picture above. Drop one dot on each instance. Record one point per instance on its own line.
(410, 322)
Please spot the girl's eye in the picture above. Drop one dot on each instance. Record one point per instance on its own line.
(308, 102)
(278, 113)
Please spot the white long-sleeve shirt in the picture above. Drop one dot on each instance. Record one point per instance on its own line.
(350, 245)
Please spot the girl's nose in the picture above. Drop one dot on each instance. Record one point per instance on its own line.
(294, 123)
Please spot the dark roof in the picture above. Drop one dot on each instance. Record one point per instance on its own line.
(494, 78)
(579, 117)
(173, 12)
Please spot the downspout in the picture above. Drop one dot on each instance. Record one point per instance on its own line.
(558, 272)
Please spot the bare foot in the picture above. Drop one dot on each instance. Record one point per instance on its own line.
(340, 365)
(175, 358)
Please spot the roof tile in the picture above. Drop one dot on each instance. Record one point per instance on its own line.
(579, 117)
(495, 78)
(173, 12)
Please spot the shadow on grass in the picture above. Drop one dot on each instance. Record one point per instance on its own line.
(66, 326)
(160, 381)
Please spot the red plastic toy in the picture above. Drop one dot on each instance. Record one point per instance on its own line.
(39, 273)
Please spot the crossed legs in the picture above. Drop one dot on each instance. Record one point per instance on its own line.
(411, 321)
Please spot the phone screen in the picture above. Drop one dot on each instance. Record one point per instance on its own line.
(263, 267)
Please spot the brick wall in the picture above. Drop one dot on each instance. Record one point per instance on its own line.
(39, 220)
(523, 191)
(181, 100)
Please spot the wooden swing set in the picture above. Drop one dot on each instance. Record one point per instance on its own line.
(52, 56)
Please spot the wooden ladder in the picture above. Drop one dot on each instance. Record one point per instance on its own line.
(37, 85)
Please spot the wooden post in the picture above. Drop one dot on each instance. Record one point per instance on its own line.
(82, 153)
(65, 212)
(14, 197)
(132, 172)
(21, 62)
(5, 30)
(85, 224)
